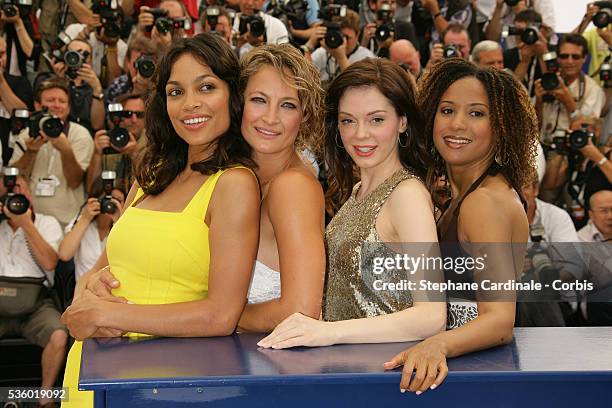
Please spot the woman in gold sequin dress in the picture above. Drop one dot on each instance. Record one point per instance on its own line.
(372, 124)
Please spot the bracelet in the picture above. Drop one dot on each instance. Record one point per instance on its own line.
(602, 161)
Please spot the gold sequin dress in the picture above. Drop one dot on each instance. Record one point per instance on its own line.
(350, 238)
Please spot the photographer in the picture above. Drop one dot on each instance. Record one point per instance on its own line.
(21, 39)
(55, 166)
(384, 11)
(86, 234)
(121, 162)
(504, 15)
(107, 52)
(221, 22)
(175, 11)
(28, 245)
(331, 61)
(599, 39)
(15, 93)
(274, 31)
(302, 25)
(488, 54)
(402, 52)
(86, 92)
(599, 228)
(574, 93)
(133, 81)
(455, 43)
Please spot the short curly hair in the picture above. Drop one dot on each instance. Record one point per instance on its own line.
(513, 119)
(304, 77)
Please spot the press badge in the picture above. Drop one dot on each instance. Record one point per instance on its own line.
(46, 186)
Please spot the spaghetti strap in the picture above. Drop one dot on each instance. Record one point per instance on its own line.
(492, 170)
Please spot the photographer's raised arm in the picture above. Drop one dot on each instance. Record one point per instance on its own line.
(493, 30)
(8, 97)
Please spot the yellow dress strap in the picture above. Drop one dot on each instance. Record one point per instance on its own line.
(198, 205)
(139, 194)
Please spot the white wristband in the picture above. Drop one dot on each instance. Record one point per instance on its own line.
(602, 161)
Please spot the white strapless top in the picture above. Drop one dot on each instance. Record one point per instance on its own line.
(265, 285)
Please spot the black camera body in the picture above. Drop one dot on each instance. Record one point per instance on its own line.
(290, 10)
(111, 17)
(330, 14)
(212, 17)
(107, 206)
(529, 35)
(254, 23)
(451, 51)
(603, 17)
(16, 203)
(550, 80)
(119, 137)
(157, 15)
(74, 60)
(9, 7)
(145, 65)
(387, 26)
(42, 120)
(511, 3)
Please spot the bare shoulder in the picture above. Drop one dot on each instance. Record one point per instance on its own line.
(493, 199)
(409, 192)
(295, 184)
(237, 180)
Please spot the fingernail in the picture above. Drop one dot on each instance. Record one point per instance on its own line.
(418, 393)
(402, 390)
(115, 283)
(433, 387)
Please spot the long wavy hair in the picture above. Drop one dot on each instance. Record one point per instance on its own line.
(395, 84)
(165, 155)
(300, 74)
(513, 119)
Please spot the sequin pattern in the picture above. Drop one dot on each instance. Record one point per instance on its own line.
(349, 292)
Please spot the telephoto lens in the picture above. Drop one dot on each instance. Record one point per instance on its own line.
(50, 125)
(530, 35)
(451, 51)
(333, 36)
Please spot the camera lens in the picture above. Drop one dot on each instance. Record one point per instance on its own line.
(550, 81)
(112, 29)
(530, 36)
(72, 59)
(163, 25)
(17, 204)
(579, 138)
(119, 137)
(107, 206)
(145, 67)
(602, 18)
(52, 127)
(383, 32)
(333, 38)
(450, 51)
(512, 3)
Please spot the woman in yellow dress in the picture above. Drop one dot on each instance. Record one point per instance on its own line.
(188, 236)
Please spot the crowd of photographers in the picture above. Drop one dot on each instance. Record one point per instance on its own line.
(74, 76)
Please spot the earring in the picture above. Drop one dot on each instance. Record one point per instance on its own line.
(498, 158)
(399, 139)
(339, 145)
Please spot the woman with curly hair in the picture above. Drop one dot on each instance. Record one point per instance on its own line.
(184, 246)
(483, 130)
(372, 124)
(283, 116)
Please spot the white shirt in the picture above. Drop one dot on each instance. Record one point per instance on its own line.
(590, 233)
(16, 260)
(327, 66)
(558, 225)
(97, 47)
(89, 250)
(276, 32)
(591, 104)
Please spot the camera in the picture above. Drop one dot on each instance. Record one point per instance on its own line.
(511, 3)
(605, 74)
(603, 17)
(541, 264)
(119, 137)
(110, 17)
(145, 64)
(42, 120)
(74, 60)
(384, 30)
(16, 203)
(107, 206)
(9, 7)
(550, 80)
(157, 14)
(19, 120)
(254, 24)
(212, 16)
(564, 142)
(451, 51)
(290, 10)
(529, 35)
(330, 14)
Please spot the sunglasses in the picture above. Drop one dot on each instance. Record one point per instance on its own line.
(572, 56)
(129, 113)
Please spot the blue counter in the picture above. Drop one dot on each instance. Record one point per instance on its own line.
(542, 367)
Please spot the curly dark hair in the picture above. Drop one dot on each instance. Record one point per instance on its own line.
(513, 119)
(165, 155)
(395, 84)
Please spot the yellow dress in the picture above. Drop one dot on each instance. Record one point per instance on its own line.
(159, 257)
